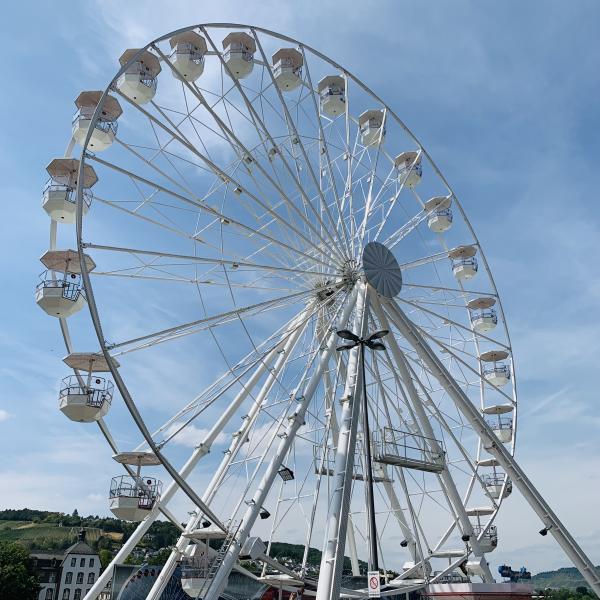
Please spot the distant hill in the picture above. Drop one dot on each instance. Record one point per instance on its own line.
(567, 577)
(296, 552)
(44, 531)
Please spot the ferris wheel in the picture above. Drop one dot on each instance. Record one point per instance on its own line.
(271, 258)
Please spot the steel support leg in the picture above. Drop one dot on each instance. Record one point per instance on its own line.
(448, 483)
(333, 557)
(495, 447)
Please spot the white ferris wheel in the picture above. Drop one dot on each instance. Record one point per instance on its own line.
(254, 228)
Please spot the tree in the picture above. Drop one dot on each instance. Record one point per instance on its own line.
(17, 578)
(75, 513)
(105, 557)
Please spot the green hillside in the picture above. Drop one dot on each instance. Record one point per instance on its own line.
(567, 577)
(44, 531)
(53, 532)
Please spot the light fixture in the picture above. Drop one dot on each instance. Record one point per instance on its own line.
(404, 543)
(264, 513)
(377, 335)
(465, 538)
(346, 334)
(346, 347)
(375, 345)
(544, 531)
(206, 524)
(286, 473)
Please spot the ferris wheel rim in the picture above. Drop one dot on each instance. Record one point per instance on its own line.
(84, 155)
(333, 63)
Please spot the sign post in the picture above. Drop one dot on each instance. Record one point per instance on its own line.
(374, 584)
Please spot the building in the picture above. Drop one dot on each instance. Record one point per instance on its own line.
(68, 576)
(47, 568)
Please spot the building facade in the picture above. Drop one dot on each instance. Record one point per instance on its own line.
(47, 568)
(69, 576)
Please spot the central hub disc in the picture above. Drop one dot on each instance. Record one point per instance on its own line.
(382, 270)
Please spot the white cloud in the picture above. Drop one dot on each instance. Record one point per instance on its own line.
(191, 436)
(4, 415)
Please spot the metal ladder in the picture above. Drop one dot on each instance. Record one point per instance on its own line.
(217, 561)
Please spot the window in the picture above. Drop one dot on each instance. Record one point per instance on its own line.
(91, 577)
(79, 578)
(73, 562)
(91, 562)
(77, 595)
(82, 562)
(49, 594)
(66, 594)
(69, 577)
(52, 577)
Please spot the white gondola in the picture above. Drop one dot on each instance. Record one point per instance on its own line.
(194, 570)
(187, 55)
(409, 167)
(487, 538)
(372, 127)
(60, 291)
(332, 95)
(464, 263)
(287, 68)
(483, 316)
(86, 397)
(503, 428)
(105, 128)
(440, 213)
(501, 425)
(238, 54)
(496, 372)
(497, 485)
(131, 498)
(139, 80)
(59, 199)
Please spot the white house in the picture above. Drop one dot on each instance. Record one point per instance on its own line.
(78, 571)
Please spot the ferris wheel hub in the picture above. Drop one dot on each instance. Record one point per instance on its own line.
(382, 270)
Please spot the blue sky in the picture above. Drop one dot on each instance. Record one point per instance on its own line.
(505, 98)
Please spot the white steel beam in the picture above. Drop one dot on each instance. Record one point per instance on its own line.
(335, 434)
(491, 443)
(336, 528)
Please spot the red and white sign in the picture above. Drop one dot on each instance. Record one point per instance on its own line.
(373, 584)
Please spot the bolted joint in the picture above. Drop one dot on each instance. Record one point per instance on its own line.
(203, 448)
